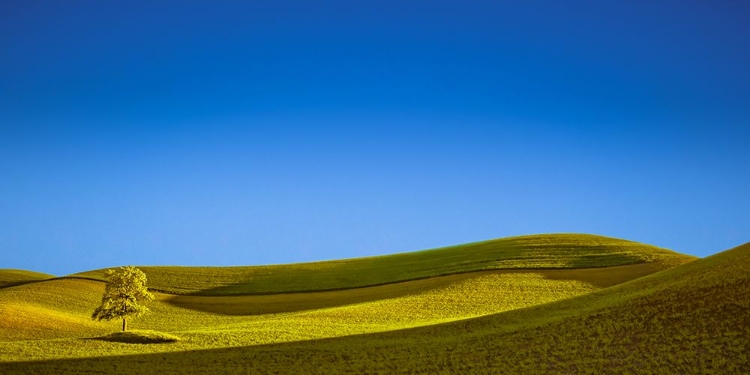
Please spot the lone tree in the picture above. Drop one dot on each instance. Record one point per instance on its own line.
(126, 287)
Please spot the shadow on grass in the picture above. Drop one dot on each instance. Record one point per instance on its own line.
(139, 337)
(604, 277)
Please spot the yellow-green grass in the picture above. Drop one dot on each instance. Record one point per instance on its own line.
(61, 308)
(694, 318)
(11, 277)
(552, 251)
(200, 330)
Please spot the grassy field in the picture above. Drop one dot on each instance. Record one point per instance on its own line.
(669, 314)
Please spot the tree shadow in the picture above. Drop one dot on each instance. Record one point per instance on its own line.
(137, 337)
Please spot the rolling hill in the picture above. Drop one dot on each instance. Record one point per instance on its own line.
(669, 314)
(552, 251)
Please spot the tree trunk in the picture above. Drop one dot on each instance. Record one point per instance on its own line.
(123, 324)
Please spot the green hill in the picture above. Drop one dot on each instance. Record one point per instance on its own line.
(553, 251)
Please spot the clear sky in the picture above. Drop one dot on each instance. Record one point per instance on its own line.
(246, 132)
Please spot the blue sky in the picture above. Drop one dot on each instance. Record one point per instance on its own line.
(190, 133)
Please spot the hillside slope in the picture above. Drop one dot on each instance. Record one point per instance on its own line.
(61, 308)
(49, 309)
(552, 251)
(694, 318)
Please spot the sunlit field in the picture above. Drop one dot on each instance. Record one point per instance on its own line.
(551, 303)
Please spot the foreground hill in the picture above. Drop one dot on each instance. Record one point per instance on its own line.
(553, 251)
(694, 318)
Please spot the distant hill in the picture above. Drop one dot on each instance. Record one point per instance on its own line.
(10, 277)
(551, 251)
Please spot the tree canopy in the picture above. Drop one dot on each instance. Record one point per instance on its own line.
(125, 291)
